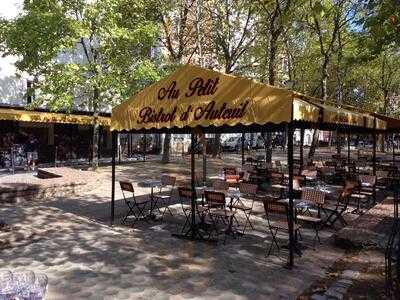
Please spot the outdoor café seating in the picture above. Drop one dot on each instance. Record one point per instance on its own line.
(311, 198)
(218, 213)
(185, 196)
(136, 208)
(267, 109)
(336, 211)
(164, 194)
(276, 215)
(220, 185)
(247, 191)
(367, 187)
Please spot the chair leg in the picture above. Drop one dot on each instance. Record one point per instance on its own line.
(141, 212)
(186, 222)
(229, 229)
(248, 221)
(316, 237)
(128, 214)
(165, 209)
(274, 241)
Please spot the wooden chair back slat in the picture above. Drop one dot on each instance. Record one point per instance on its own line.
(220, 185)
(167, 180)
(314, 196)
(215, 199)
(248, 188)
(126, 186)
(230, 171)
(369, 179)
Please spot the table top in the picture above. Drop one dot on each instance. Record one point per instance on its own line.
(216, 177)
(327, 189)
(298, 203)
(228, 193)
(151, 182)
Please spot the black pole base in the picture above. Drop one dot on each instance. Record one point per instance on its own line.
(194, 234)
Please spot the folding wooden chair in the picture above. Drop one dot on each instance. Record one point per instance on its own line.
(164, 194)
(230, 171)
(366, 191)
(275, 209)
(185, 197)
(317, 199)
(278, 165)
(276, 178)
(337, 211)
(132, 203)
(217, 211)
(247, 191)
(220, 185)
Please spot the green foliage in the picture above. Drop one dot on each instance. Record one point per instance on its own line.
(349, 47)
(90, 52)
(382, 23)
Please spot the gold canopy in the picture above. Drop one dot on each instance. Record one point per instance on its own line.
(49, 117)
(193, 96)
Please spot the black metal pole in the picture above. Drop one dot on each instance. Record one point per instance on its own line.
(144, 147)
(113, 151)
(290, 190)
(301, 149)
(394, 159)
(242, 149)
(192, 183)
(374, 149)
(348, 148)
(119, 149)
(204, 159)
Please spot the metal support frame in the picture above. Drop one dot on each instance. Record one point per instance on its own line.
(374, 149)
(144, 147)
(113, 152)
(301, 149)
(348, 148)
(243, 148)
(193, 186)
(290, 194)
(393, 151)
(204, 159)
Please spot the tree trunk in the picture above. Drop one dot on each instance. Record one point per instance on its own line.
(381, 139)
(385, 108)
(314, 145)
(216, 145)
(338, 142)
(95, 143)
(324, 94)
(166, 148)
(267, 137)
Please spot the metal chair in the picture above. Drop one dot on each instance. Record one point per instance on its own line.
(315, 198)
(272, 209)
(336, 211)
(165, 192)
(230, 171)
(132, 203)
(217, 212)
(247, 191)
(367, 187)
(220, 185)
(277, 178)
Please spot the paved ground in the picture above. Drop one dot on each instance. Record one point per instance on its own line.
(86, 259)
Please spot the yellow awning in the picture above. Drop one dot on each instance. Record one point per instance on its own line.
(193, 96)
(49, 117)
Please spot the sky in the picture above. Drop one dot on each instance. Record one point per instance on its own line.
(8, 9)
